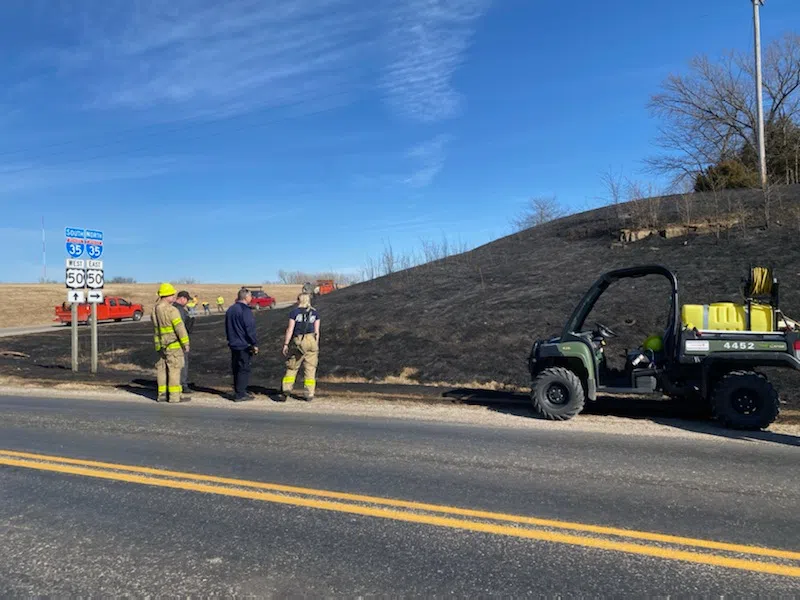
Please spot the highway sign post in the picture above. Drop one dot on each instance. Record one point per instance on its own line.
(75, 281)
(95, 280)
(81, 274)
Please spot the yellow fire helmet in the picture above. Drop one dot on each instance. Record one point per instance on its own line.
(166, 289)
(654, 343)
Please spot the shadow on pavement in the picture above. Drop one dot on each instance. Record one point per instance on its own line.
(680, 415)
(711, 428)
(271, 393)
(145, 388)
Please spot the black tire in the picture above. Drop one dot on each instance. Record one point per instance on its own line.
(137, 315)
(745, 400)
(117, 320)
(557, 394)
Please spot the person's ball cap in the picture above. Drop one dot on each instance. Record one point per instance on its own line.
(184, 294)
(166, 289)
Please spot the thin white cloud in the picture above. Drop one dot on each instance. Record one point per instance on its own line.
(427, 42)
(204, 57)
(31, 176)
(210, 59)
(429, 158)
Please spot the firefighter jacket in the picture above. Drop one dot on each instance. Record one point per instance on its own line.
(169, 330)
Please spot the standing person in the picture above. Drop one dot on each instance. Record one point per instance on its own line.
(220, 304)
(191, 304)
(240, 329)
(172, 344)
(182, 303)
(301, 347)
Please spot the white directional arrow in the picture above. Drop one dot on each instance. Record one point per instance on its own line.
(95, 296)
(75, 296)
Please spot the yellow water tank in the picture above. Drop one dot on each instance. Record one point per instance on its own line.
(726, 316)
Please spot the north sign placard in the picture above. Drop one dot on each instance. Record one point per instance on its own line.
(94, 279)
(94, 243)
(75, 279)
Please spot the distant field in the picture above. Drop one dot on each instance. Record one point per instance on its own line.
(32, 304)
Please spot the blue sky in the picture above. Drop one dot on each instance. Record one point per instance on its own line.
(225, 141)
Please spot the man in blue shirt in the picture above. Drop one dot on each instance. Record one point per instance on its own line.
(240, 329)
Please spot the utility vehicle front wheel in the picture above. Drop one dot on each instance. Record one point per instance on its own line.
(557, 394)
(745, 400)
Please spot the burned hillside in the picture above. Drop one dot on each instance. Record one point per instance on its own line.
(471, 318)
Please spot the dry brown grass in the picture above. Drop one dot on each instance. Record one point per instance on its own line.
(33, 303)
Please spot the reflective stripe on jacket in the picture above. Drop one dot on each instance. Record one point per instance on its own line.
(169, 332)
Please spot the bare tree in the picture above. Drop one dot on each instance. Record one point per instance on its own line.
(370, 270)
(388, 259)
(539, 210)
(708, 115)
(645, 204)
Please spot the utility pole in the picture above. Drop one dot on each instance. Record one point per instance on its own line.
(44, 254)
(762, 158)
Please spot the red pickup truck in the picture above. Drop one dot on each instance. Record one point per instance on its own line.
(113, 308)
(261, 299)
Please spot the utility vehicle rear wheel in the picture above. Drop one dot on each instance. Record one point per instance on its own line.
(745, 400)
(557, 394)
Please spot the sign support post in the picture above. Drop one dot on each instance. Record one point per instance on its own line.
(75, 280)
(95, 280)
(94, 336)
(74, 325)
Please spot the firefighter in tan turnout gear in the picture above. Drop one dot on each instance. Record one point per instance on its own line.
(171, 341)
(301, 347)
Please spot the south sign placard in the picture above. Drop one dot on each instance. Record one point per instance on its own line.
(76, 241)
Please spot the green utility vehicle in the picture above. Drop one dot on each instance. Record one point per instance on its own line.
(708, 353)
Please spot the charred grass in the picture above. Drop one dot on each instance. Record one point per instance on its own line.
(472, 317)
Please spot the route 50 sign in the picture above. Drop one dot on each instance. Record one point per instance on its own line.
(75, 279)
(94, 279)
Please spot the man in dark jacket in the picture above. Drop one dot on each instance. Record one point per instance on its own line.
(180, 303)
(240, 329)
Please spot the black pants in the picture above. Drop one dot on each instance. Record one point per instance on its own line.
(240, 363)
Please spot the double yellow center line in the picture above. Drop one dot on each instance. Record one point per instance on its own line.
(643, 543)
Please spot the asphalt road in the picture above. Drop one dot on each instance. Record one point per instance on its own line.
(78, 528)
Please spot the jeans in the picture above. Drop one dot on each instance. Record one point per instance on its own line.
(240, 365)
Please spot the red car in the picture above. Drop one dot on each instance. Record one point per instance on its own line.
(261, 299)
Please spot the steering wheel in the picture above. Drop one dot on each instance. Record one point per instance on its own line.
(605, 332)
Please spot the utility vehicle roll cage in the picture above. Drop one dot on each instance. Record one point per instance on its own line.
(576, 321)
